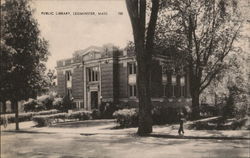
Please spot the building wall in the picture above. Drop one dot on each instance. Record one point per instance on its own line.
(61, 85)
(77, 83)
(116, 79)
(107, 81)
(123, 80)
(156, 80)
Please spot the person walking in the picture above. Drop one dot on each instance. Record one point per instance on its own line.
(181, 120)
(5, 121)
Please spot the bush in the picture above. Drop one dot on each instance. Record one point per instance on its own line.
(127, 117)
(26, 116)
(80, 115)
(11, 117)
(53, 111)
(228, 111)
(220, 124)
(58, 104)
(46, 101)
(67, 104)
(164, 114)
(59, 116)
(43, 120)
(32, 105)
(107, 109)
(96, 114)
(209, 110)
(242, 109)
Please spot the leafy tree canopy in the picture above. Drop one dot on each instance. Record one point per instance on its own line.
(23, 52)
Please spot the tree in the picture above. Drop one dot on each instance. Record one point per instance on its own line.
(6, 63)
(143, 47)
(203, 32)
(231, 87)
(25, 74)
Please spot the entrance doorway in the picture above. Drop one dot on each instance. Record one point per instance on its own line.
(94, 99)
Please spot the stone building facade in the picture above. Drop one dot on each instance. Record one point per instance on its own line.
(106, 74)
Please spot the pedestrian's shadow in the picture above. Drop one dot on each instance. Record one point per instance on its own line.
(168, 136)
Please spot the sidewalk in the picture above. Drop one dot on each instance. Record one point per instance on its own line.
(106, 127)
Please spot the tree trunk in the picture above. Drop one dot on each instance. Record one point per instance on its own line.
(143, 84)
(15, 103)
(195, 94)
(195, 106)
(4, 107)
(13, 108)
(143, 49)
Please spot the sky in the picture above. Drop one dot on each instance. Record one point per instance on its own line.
(68, 33)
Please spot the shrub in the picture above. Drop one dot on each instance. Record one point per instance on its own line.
(58, 104)
(164, 114)
(22, 117)
(53, 111)
(59, 116)
(46, 101)
(220, 124)
(81, 115)
(43, 120)
(127, 117)
(26, 116)
(228, 111)
(242, 109)
(32, 105)
(203, 126)
(238, 124)
(96, 114)
(67, 104)
(107, 109)
(209, 110)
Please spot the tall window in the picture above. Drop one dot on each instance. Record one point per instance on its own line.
(174, 83)
(132, 79)
(93, 74)
(132, 68)
(68, 75)
(69, 93)
(182, 85)
(132, 91)
(164, 90)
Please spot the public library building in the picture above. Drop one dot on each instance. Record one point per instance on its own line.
(106, 74)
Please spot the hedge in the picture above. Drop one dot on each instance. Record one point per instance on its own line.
(160, 115)
(80, 115)
(11, 117)
(45, 120)
(25, 116)
(47, 112)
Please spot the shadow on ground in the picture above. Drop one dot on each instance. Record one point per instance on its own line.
(195, 137)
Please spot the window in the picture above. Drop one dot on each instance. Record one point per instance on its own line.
(164, 90)
(93, 74)
(68, 75)
(182, 86)
(132, 91)
(81, 105)
(132, 68)
(69, 93)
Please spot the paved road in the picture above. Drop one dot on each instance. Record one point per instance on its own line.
(102, 142)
